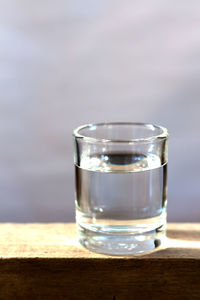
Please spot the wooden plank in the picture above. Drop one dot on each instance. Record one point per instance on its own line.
(45, 261)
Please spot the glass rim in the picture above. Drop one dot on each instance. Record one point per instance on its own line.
(164, 134)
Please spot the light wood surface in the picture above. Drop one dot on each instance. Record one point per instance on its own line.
(45, 261)
(59, 240)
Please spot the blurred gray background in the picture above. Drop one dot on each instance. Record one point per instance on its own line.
(67, 63)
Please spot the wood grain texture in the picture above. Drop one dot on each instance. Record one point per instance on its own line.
(45, 261)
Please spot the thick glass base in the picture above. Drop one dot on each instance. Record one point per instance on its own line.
(122, 244)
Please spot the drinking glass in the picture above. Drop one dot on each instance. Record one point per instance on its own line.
(121, 186)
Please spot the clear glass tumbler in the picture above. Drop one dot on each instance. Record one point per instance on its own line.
(121, 186)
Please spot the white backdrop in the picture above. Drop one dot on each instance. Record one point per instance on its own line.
(66, 63)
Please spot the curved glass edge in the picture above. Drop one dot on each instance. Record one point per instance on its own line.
(162, 136)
